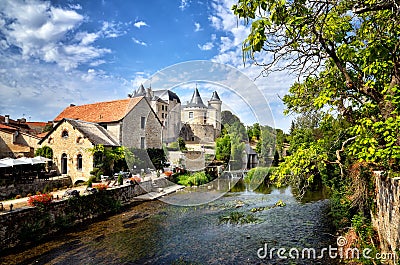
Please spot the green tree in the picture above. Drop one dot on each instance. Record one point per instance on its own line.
(182, 144)
(223, 148)
(44, 151)
(106, 157)
(347, 55)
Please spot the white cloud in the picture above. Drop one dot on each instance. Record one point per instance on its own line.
(197, 27)
(41, 91)
(140, 24)
(229, 46)
(42, 31)
(206, 47)
(113, 29)
(184, 4)
(139, 42)
(76, 7)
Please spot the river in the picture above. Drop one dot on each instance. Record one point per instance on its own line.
(154, 232)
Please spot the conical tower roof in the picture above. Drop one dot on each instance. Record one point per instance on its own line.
(215, 96)
(196, 100)
(141, 90)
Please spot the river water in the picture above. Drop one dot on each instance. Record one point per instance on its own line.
(158, 233)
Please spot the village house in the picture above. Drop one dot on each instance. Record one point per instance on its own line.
(17, 138)
(167, 105)
(71, 141)
(131, 123)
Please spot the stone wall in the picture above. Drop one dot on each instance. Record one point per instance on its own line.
(31, 223)
(386, 219)
(10, 191)
(72, 145)
(132, 131)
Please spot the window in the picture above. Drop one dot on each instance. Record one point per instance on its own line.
(142, 122)
(64, 163)
(79, 140)
(166, 108)
(162, 115)
(51, 140)
(162, 107)
(64, 134)
(205, 118)
(191, 115)
(142, 142)
(79, 162)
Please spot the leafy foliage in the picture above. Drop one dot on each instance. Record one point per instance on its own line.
(195, 179)
(44, 151)
(105, 158)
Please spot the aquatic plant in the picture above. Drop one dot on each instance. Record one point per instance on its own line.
(238, 218)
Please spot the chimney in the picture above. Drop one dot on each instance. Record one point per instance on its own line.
(72, 105)
(7, 119)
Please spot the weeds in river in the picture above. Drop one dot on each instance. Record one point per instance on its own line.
(279, 203)
(238, 218)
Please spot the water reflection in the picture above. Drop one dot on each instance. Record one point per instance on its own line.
(158, 233)
(265, 188)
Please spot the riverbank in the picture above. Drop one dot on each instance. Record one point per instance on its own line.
(154, 232)
(30, 224)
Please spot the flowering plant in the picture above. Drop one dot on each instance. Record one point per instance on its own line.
(100, 186)
(40, 200)
(136, 178)
(168, 173)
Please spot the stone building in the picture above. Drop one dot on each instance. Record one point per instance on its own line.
(17, 139)
(167, 105)
(71, 141)
(131, 122)
(201, 123)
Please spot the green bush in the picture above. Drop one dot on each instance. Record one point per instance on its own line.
(90, 181)
(196, 179)
(257, 175)
(174, 146)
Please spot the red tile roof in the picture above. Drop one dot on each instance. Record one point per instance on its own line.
(6, 127)
(108, 111)
(37, 123)
(42, 135)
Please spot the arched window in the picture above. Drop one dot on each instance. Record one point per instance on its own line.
(79, 162)
(64, 163)
(64, 134)
(51, 140)
(79, 140)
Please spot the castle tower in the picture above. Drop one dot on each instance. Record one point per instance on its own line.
(195, 112)
(214, 112)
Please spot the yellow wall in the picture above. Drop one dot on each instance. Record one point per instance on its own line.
(70, 146)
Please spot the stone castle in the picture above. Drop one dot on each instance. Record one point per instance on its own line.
(195, 122)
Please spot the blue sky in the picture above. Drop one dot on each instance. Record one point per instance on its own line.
(54, 53)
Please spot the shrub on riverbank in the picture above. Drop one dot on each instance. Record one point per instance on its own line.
(258, 175)
(195, 179)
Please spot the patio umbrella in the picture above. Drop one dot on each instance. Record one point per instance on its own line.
(4, 165)
(29, 160)
(41, 159)
(12, 162)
